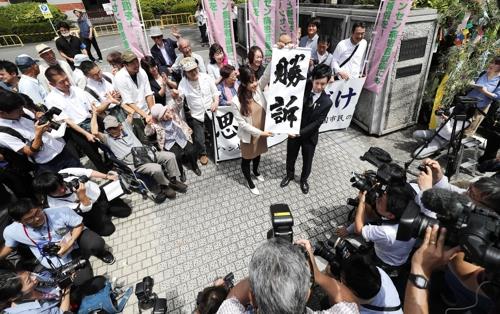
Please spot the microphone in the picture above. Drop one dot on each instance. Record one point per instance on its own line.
(445, 203)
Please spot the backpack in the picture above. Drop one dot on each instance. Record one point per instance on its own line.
(16, 161)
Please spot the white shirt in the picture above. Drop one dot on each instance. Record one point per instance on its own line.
(165, 54)
(201, 64)
(51, 146)
(101, 88)
(214, 71)
(80, 79)
(75, 106)
(343, 50)
(44, 66)
(130, 92)
(199, 94)
(33, 88)
(70, 199)
(387, 296)
(388, 249)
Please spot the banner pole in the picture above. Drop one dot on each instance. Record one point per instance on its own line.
(247, 26)
(216, 145)
(143, 28)
(369, 50)
(53, 28)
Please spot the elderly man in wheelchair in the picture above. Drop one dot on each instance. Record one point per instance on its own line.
(137, 161)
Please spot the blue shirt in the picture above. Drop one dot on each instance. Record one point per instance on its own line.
(223, 100)
(490, 85)
(84, 25)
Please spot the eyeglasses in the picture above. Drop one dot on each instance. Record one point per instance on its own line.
(33, 214)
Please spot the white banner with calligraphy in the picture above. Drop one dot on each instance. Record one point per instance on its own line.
(286, 90)
(227, 142)
(344, 96)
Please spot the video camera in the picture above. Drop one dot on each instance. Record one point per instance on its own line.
(74, 184)
(47, 117)
(147, 298)
(475, 229)
(63, 275)
(282, 221)
(336, 250)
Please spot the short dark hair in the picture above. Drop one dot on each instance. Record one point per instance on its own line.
(52, 71)
(321, 71)
(398, 198)
(114, 58)
(87, 66)
(213, 50)
(21, 207)
(361, 276)
(63, 25)
(489, 187)
(147, 63)
(396, 175)
(356, 25)
(314, 21)
(10, 101)
(9, 67)
(10, 286)
(496, 60)
(324, 39)
(251, 53)
(226, 71)
(210, 299)
(47, 182)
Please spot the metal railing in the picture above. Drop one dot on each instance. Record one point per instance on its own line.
(177, 19)
(105, 29)
(150, 23)
(10, 41)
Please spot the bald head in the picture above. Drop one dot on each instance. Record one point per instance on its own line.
(285, 39)
(184, 46)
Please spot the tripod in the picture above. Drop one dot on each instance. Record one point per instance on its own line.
(460, 113)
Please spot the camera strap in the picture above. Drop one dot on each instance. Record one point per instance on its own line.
(381, 308)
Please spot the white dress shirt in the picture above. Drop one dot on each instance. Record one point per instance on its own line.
(130, 92)
(164, 54)
(80, 79)
(199, 94)
(51, 146)
(44, 66)
(343, 50)
(214, 71)
(33, 88)
(101, 88)
(76, 106)
(201, 64)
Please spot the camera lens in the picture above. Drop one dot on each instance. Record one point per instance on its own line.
(413, 223)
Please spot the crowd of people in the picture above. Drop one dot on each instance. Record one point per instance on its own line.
(152, 115)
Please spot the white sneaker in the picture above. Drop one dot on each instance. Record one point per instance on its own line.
(260, 178)
(254, 191)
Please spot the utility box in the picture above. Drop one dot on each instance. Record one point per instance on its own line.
(398, 104)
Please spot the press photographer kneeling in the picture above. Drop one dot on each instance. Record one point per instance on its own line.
(72, 188)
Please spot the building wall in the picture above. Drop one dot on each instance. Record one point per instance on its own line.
(67, 6)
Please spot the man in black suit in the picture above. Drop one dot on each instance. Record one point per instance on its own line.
(317, 104)
(163, 51)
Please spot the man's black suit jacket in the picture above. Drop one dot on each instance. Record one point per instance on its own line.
(313, 116)
(170, 46)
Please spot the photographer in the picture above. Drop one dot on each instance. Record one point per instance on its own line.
(21, 293)
(210, 299)
(371, 285)
(53, 236)
(71, 188)
(23, 136)
(280, 277)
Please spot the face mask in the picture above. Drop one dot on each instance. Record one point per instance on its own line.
(65, 34)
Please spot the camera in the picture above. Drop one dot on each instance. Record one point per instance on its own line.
(50, 249)
(475, 229)
(208, 293)
(282, 221)
(147, 298)
(47, 117)
(336, 250)
(441, 112)
(64, 274)
(364, 181)
(229, 281)
(74, 184)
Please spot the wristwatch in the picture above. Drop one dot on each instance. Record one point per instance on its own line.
(419, 281)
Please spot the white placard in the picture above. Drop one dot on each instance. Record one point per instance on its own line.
(286, 91)
(113, 190)
(108, 8)
(227, 142)
(344, 96)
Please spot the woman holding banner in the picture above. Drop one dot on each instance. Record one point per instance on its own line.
(249, 110)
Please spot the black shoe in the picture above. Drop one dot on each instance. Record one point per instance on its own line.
(285, 181)
(107, 258)
(168, 191)
(160, 198)
(304, 186)
(183, 177)
(197, 171)
(178, 186)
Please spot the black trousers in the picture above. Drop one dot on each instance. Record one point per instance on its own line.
(492, 146)
(65, 159)
(98, 218)
(87, 148)
(199, 134)
(245, 168)
(188, 153)
(292, 151)
(203, 32)
(88, 45)
(18, 182)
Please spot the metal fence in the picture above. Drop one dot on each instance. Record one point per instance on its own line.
(177, 19)
(10, 41)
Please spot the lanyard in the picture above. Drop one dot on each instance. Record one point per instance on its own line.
(48, 231)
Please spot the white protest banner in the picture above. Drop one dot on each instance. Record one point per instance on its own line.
(276, 139)
(227, 142)
(286, 91)
(344, 95)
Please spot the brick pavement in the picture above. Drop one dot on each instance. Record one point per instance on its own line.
(213, 229)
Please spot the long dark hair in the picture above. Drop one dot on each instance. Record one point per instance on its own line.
(147, 63)
(247, 76)
(215, 48)
(251, 53)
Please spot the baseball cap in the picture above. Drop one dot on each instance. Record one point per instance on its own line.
(110, 122)
(79, 58)
(42, 48)
(24, 61)
(189, 64)
(128, 56)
